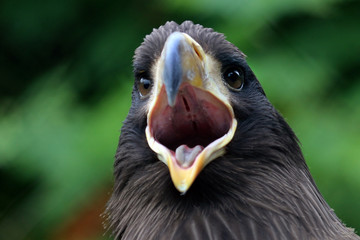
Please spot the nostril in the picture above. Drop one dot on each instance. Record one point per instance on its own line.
(197, 51)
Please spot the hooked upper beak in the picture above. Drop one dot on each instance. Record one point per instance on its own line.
(190, 119)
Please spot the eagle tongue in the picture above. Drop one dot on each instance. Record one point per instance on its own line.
(185, 156)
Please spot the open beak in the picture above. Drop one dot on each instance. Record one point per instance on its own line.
(190, 119)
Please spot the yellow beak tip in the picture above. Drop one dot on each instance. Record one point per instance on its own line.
(182, 188)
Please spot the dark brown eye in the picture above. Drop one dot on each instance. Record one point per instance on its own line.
(234, 77)
(144, 86)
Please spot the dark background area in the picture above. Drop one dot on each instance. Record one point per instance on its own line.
(65, 88)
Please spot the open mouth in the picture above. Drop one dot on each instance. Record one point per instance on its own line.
(195, 121)
(190, 118)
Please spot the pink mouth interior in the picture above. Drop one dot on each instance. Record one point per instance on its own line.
(197, 119)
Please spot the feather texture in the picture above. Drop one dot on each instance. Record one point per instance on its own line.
(260, 189)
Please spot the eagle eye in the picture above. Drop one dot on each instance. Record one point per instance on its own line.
(234, 77)
(144, 87)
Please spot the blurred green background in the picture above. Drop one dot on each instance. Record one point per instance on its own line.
(65, 88)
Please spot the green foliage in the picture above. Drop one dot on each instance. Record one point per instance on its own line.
(66, 83)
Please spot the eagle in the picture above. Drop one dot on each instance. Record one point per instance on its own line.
(203, 154)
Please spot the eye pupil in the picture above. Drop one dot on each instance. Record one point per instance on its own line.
(234, 78)
(144, 86)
